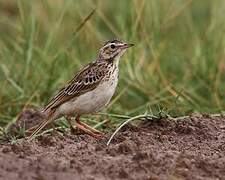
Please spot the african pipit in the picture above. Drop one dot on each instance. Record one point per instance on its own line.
(89, 91)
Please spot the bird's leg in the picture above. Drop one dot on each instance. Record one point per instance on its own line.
(87, 129)
(69, 120)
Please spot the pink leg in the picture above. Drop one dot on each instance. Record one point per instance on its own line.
(87, 129)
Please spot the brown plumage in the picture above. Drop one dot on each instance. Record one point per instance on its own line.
(89, 90)
(85, 80)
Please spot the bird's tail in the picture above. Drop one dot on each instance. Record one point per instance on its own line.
(46, 120)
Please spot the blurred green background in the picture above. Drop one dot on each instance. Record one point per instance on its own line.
(178, 62)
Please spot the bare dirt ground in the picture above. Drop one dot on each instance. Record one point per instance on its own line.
(191, 148)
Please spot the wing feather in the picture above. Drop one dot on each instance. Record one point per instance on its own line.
(84, 81)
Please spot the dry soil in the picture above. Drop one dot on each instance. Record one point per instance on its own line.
(189, 148)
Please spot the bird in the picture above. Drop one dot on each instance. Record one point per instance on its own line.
(89, 91)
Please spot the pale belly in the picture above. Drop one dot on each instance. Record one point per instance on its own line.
(90, 102)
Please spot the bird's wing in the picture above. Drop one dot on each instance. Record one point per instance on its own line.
(85, 80)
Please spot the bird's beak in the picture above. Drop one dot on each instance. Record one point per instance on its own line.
(125, 46)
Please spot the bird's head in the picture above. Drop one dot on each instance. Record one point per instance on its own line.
(113, 49)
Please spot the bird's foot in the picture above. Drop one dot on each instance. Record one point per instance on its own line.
(90, 131)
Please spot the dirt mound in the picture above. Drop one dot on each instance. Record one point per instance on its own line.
(191, 148)
(27, 119)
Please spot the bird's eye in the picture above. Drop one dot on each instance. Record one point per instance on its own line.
(112, 46)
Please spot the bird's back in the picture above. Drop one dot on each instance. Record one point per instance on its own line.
(86, 80)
